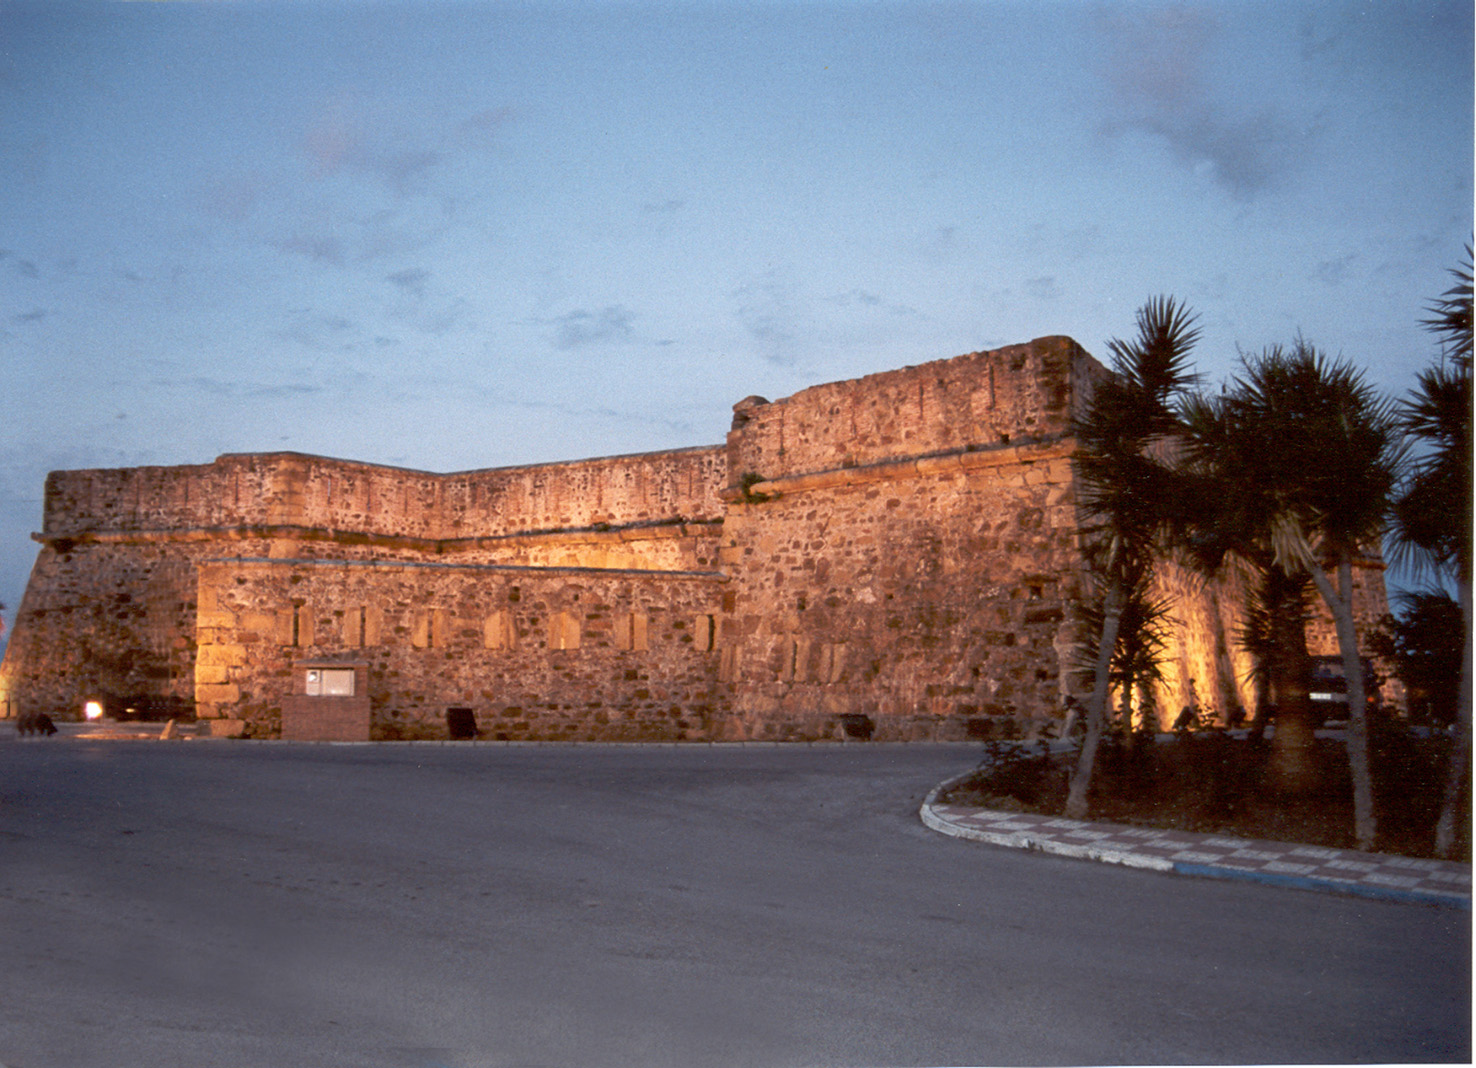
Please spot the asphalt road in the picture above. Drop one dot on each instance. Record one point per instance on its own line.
(242, 904)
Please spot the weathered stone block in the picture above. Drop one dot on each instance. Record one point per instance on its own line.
(211, 674)
(217, 693)
(218, 655)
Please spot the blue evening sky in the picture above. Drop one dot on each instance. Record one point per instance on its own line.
(460, 235)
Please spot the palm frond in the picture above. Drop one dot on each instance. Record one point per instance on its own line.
(1450, 316)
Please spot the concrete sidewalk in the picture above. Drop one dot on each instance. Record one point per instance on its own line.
(1345, 871)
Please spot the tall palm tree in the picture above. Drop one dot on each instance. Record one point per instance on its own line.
(1432, 514)
(1312, 452)
(1123, 484)
(1352, 445)
(1223, 521)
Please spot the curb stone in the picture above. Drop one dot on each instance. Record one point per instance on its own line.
(1218, 856)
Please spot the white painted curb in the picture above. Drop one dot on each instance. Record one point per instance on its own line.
(1020, 840)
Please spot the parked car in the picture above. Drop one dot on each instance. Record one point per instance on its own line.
(1328, 686)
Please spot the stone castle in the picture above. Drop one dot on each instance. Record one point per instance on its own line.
(896, 556)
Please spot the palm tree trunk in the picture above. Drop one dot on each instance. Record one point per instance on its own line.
(1081, 777)
(1262, 714)
(1340, 602)
(1460, 757)
(1125, 714)
(1292, 744)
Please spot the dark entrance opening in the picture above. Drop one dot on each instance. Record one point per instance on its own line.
(461, 724)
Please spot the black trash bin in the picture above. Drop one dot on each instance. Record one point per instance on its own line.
(461, 724)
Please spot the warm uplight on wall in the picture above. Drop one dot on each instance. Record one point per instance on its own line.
(93, 710)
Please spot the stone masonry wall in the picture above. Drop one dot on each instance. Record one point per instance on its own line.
(910, 552)
(904, 547)
(536, 653)
(110, 608)
(985, 399)
(935, 604)
(290, 489)
(101, 620)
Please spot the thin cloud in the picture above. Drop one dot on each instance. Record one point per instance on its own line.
(1333, 272)
(441, 321)
(862, 300)
(218, 387)
(235, 198)
(607, 325)
(412, 280)
(344, 136)
(322, 333)
(855, 296)
(320, 248)
(1042, 288)
(1157, 65)
(486, 121)
(399, 168)
(768, 309)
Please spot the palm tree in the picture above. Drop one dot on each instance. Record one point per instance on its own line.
(1351, 441)
(1273, 630)
(1123, 485)
(1141, 645)
(1223, 521)
(1450, 317)
(1309, 453)
(1424, 639)
(1432, 514)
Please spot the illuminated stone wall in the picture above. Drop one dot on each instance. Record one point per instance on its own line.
(903, 547)
(537, 653)
(101, 619)
(289, 493)
(911, 551)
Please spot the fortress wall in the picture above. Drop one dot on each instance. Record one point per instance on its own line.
(1201, 646)
(909, 552)
(101, 620)
(1370, 604)
(133, 498)
(609, 491)
(912, 552)
(110, 605)
(538, 654)
(290, 489)
(935, 604)
(113, 614)
(981, 400)
(245, 490)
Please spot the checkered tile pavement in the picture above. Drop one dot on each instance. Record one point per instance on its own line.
(1282, 863)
